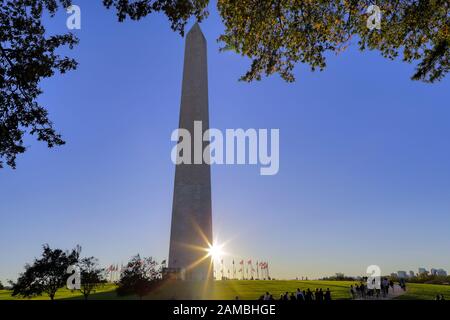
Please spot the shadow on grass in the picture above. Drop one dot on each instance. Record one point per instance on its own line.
(167, 290)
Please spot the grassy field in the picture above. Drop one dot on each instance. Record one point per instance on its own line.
(250, 290)
(418, 291)
(227, 290)
(247, 290)
(107, 292)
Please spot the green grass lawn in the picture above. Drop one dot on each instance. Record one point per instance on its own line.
(250, 290)
(106, 291)
(247, 289)
(418, 291)
(227, 290)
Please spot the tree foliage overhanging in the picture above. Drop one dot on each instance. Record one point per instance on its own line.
(27, 56)
(274, 34)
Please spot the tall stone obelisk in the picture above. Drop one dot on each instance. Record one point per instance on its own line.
(191, 230)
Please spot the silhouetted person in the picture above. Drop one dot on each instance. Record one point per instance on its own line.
(316, 295)
(300, 295)
(362, 290)
(352, 292)
(327, 296)
(309, 296)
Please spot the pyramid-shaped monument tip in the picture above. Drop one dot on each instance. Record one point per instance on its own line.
(196, 29)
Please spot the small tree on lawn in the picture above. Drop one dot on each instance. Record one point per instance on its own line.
(91, 276)
(47, 274)
(140, 276)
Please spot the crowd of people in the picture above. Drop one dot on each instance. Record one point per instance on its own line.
(359, 291)
(363, 291)
(301, 296)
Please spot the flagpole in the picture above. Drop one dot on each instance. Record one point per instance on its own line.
(246, 269)
(234, 271)
(265, 270)
(267, 274)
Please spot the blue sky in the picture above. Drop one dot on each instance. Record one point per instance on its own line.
(364, 158)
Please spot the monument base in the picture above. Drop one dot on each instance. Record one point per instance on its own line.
(173, 274)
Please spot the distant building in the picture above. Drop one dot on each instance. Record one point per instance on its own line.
(411, 274)
(393, 275)
(433, 272)
(423, 271)
(441, 272)
(402, 274)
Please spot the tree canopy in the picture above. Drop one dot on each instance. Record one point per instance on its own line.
(274, 34)
(178, 12)
(92, 275)
(140, 276)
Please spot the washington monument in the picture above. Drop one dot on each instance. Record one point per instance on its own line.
(191, 229)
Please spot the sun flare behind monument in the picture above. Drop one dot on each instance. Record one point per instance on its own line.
(215, 251)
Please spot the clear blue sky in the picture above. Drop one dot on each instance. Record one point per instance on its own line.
(364, 158)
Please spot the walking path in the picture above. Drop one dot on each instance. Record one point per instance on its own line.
(398, 291)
